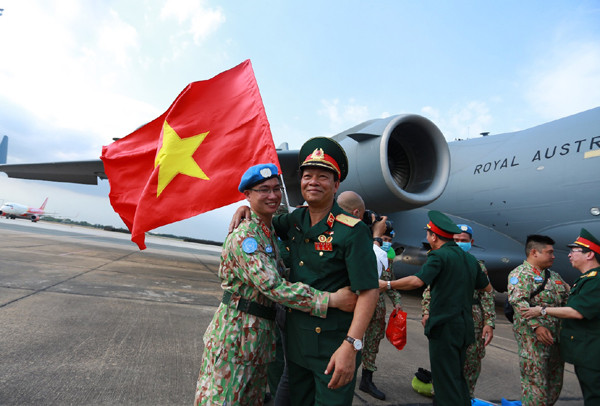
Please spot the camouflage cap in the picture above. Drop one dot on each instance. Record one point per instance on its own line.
(441, 224)
(586, 240)
(325, 153)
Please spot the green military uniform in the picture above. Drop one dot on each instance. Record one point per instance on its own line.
(334, 253)
(484, 314)
(541, 365)
(238, 345)
(580, 339)
(453, 276)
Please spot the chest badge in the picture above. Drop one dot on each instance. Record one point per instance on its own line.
(324, 244)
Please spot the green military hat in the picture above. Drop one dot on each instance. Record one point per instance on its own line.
(325, 153)
(441, 224)
(587, 240)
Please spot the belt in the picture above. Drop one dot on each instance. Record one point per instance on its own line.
(250, 306)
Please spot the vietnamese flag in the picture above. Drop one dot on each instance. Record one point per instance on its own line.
(190, 159)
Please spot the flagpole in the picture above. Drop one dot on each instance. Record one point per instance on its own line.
(285, 195)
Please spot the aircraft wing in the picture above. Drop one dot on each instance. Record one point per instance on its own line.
(86, 172)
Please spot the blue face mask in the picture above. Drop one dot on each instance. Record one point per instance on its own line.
(386, 245)
(466, 246)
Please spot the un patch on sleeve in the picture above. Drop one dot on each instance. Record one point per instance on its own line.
(249, 245)
(514, 280)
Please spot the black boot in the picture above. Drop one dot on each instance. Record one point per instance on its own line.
(367, 385)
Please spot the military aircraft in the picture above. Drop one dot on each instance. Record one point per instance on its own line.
(543, 180)
(17, 210)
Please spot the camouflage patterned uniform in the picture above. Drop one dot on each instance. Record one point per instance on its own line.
(541, 365)
(484, 313)
(238, 345)
(376, 329)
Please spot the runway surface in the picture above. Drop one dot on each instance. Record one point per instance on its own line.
(88, 319)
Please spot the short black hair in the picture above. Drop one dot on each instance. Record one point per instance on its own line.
(445, 239)
(538, 242)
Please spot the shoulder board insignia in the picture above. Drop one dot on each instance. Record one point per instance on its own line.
(591, 274)
(347, 220)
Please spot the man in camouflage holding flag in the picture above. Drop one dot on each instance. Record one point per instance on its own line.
(484, 315)
(539, 357)
(240, 340)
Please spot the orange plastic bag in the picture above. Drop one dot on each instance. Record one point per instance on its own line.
(396, 329)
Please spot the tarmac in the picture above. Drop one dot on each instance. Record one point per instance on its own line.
(88, 319)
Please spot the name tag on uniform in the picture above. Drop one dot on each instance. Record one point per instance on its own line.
(538, 279)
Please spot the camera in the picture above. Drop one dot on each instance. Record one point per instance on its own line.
(368, 217)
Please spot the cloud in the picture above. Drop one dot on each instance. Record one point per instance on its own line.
(464, 121)
(343, 116)
(566, 81)
(197, 19)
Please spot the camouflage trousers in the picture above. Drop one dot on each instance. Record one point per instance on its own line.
(373, 335)
(229, 383)
(472, 368)
(541, 379)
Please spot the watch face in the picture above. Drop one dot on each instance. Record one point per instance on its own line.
(357, 345)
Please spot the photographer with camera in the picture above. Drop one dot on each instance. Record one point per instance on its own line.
(382, 231)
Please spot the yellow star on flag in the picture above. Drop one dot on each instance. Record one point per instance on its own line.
(175, 157)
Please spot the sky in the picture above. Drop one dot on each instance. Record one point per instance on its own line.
(75, 74)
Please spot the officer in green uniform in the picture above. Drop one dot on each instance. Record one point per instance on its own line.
(329, 249)
(453, 276)
(580, 334)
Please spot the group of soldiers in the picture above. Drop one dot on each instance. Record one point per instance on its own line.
(329, 269)
(541, 298)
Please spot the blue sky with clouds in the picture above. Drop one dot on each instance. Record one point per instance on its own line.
(75, 74)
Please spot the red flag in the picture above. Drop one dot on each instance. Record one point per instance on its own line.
(190, 159)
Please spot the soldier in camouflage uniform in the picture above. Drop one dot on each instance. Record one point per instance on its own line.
(539, 358)
(240, 340)
(354, 204)
(484, 316)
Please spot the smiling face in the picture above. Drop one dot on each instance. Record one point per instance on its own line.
(318, 186)
(264, 199)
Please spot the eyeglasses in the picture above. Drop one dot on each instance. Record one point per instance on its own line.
(265, 191)
(576, 250)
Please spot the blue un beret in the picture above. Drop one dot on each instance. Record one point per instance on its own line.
(465, 228)
(257, 174)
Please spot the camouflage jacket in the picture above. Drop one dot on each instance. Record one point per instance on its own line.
(522, 281)
(484, 307)
(249, 267)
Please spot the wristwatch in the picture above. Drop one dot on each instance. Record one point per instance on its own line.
(389, 285)
(356, 343)
(543, 311)
(379, 240)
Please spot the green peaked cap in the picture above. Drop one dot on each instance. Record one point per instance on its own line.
(442, 222)
(325, 153)
(586, 240)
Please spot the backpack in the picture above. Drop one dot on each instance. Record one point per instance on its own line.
(509, 312)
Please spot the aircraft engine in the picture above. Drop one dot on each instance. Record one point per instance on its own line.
(397, 163)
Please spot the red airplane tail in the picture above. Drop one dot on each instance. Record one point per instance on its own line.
(43, 206)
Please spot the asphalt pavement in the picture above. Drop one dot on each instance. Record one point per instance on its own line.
(88, 319)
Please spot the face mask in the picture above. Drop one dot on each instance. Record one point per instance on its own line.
(466, 246)
(386, 245)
